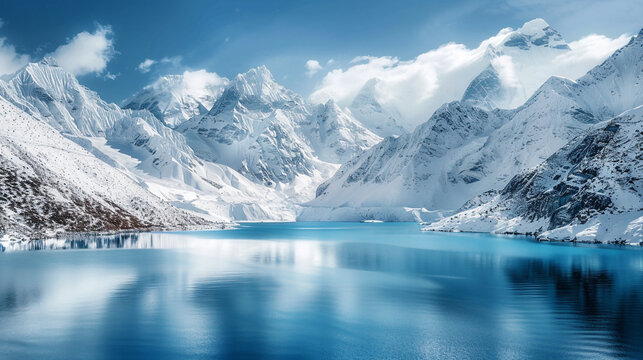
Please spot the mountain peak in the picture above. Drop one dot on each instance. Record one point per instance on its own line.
(257, 75)
(536, 32)
(176, 98)
(534, 26)
(258, 83)
(49, 61)
(486, 90)
(330, 108)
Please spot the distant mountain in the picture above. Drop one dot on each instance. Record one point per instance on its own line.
(51, 185)
(370, 112)
(174, 99)
(337, 136)
(502, 72)
(590, 190)
(463, 150)
(272, 136)
(486, 90)
(536, 32)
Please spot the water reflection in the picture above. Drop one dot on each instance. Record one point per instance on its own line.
(605, 303)
(86, 242)
(375, 291)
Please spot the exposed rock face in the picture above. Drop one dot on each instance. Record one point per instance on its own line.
(590, 190)
(49, 184)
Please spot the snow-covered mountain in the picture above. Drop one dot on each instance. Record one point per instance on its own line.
(52, 185)
(486, 90)
(370, 112)
(139, 144)
(336, 135)
(409, 170)
(590, 190)
(274, 137)
(515, 64)
(174, 99)
(251, 128)
(463, 150)
(520, 60)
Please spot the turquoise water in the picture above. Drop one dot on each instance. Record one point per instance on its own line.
(319, 291)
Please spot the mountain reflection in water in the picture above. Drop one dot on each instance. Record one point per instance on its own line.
(319, 291)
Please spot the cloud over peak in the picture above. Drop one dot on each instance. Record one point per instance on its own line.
(524, 59)
(86, 52)
(10, 59)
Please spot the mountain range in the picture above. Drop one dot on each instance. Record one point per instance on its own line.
(464, 150)
(195, 149)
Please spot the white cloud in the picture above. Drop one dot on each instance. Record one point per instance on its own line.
(86, 52)
(588, 52)
(10, 60)
(201, 80)
(110, 76)
(147, 64)
(417, 87)
(312, 67)
(506, 69)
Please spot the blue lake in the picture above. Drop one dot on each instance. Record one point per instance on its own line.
(319, 291)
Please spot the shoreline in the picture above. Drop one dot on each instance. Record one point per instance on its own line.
(544, 239)
(79, 234)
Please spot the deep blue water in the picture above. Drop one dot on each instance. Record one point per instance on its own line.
(319, 291)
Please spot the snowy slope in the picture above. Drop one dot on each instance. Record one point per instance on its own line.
(462, 150)
(590, 190)
(50, 184)
(174, 99)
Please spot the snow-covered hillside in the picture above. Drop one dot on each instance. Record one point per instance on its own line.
(463, 150)
(51, 185)
(590, 190)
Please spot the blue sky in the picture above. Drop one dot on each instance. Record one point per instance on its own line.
(228, 37)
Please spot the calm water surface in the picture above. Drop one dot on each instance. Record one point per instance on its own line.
(319, 291)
